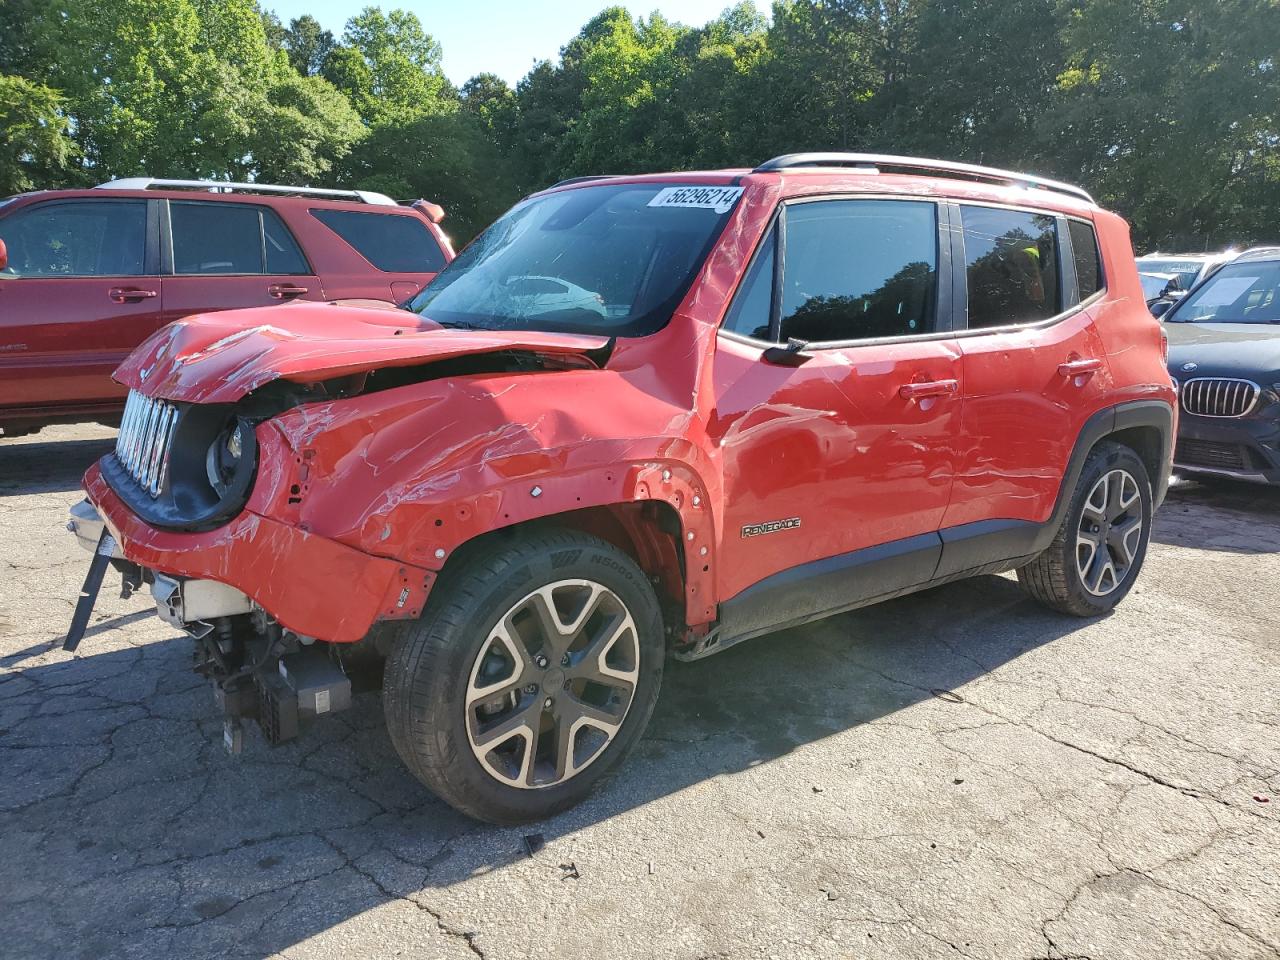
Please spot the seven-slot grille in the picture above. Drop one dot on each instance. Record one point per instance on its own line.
(1219, 396)
(143, 445)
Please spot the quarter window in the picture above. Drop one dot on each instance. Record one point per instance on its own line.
(1011, 261)
(859, 269)
(1084, 250)
(283, 255)
(392, 243)
(749, 314)
(94, 238)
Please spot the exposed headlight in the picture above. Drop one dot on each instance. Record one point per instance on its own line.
(223, 457)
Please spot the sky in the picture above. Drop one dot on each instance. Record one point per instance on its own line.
(498, 36)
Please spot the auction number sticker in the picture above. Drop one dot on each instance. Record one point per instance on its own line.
(719, 199)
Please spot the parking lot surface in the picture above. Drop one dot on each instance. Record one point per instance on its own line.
(955, 774)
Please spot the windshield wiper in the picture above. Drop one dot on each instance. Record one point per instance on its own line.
(459, 324)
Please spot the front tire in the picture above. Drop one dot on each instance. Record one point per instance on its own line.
(532, 673)
(1095, 557)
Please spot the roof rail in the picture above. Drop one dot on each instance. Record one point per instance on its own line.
(872, 162)
(597, 176)
(222, 186)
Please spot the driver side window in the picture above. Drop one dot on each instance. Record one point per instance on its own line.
(851, 270)
(90, 238)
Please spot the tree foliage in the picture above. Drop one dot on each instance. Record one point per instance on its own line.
(1165, 109)
(34, 145)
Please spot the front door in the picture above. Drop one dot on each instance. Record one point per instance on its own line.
(227, 255)
(82, 289)
(837, 470)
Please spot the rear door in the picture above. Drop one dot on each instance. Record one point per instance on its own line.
(1035, 369)
(82, 289)
(838, 470)
(223, 255)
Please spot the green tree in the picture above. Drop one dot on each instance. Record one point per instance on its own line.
(447, 158)
(187, 88)
(23, 37)
(34, 145)
(308, 44)
(981, 78)
(814, 86)
(305, 129)
(1168, 109)
(389, 67)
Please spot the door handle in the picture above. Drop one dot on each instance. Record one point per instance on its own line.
(1076, 368)
(933, 388)
(282, 290)
(130, 294)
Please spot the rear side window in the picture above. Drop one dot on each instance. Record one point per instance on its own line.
(93, 238)
(1084, 250)
(231, 238)
(859, 269)
(1011, 261)
(394, 244)
(215, 238)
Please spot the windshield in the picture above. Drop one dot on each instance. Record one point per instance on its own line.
(1237, 293)
(609, 259)
(1185, 270)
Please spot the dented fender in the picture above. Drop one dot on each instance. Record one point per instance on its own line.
(345, 474)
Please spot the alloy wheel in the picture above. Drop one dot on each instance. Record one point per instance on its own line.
(552, 684)
(1110, 532)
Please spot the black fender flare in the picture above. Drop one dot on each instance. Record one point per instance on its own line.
(1124, 416)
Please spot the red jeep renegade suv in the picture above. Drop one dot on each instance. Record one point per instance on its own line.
(87, 275)
(639, 416)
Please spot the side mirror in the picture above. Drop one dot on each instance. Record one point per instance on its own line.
(4, 256)
(1160, 307)
(789, 356)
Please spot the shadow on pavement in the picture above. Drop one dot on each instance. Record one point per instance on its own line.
(1231, 516)
(27, 468)
(125, 826)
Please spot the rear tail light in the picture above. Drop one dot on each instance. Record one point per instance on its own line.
(1164, 346)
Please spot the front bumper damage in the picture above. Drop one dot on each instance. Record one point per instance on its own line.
(257, 670)
(255, 596)
(285, 570)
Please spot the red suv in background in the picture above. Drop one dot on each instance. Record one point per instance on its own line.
(87, 275)
(639, 416)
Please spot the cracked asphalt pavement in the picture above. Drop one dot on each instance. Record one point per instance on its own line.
(955, 774)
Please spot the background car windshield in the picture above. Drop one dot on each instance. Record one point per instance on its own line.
(608, 259)
(1238, 293)
(1186, 270)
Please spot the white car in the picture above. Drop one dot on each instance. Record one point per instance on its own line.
(536, 295)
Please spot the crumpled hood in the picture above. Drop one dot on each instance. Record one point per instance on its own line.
(220, 357)
(1247, 350)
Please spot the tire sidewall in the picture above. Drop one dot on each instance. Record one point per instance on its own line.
(579, 558)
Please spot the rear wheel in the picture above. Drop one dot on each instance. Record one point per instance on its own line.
(533, 672)
(1099, 549)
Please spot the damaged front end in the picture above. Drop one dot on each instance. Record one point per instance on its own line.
(200, 502)
(257, 669)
